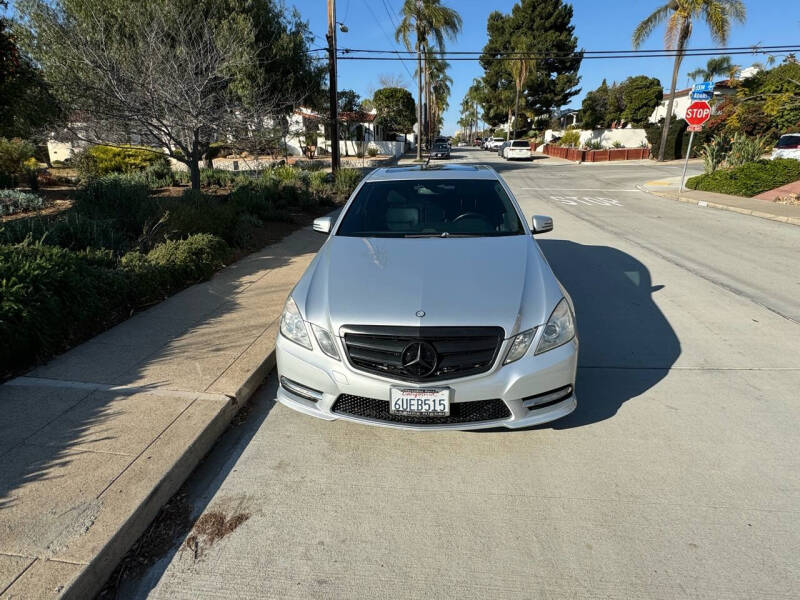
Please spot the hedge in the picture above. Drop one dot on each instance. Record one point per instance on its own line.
(750, 179)
(677, 140)
(52, 298)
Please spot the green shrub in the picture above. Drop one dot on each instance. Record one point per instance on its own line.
(15, 201)
(125, 199)
(749, 179)
(744, 149)
(102, 160)
(594, 145)
(196, 213)
(677, 140)
(217, 177)
(285, 173)
(159, 173)
(69, 230)
(571, 138)
(372, 151)
(13, 155)
(51, 297)
(346, 181)
(8, 180)
(617, 144)
(175, 264)
(259, 198)
(714, 152)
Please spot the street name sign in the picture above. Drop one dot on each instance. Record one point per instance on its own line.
(705, 86)
(701, 95)
(698, 113)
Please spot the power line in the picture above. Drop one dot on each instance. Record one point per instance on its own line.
(754, 48)
(391, 20)
(591, 57)
(386, 35)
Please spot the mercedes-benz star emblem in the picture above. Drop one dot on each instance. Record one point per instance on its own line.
(420, 313)
(419, 359)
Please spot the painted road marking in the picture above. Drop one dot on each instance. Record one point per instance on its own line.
(587, 200)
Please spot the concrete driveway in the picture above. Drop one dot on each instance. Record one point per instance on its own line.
(677, 477)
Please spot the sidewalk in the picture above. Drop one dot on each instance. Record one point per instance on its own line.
(668, 188)
(93, 443)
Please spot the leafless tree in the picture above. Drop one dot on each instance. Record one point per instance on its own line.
(172, 78)
(391, 80)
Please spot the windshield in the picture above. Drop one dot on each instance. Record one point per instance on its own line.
(440, 147)
(431, 208)
(788, 141)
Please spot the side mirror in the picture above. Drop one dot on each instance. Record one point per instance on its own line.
(541, 224)
(323, 224)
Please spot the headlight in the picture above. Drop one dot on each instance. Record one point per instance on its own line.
(325, 341)
(292, 325)
(520, 345)
(559, 330)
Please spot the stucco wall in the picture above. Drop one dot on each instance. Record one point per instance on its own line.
(628, 137)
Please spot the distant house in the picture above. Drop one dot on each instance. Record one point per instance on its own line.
(722, 89)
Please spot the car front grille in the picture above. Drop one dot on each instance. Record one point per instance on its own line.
(422, 354)
(460, 412)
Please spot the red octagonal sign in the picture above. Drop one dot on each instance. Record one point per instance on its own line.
(698, 113)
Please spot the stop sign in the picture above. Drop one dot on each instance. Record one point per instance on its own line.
(698, 113)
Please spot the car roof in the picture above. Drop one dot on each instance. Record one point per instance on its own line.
(433, 172)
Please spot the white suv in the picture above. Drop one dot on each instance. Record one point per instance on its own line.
(518, 149)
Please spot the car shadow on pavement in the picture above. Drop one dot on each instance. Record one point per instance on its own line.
(627, 345)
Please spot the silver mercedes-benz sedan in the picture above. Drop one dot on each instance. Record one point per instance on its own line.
(430, 306)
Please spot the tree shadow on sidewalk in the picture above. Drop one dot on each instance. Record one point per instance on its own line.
(57, 426)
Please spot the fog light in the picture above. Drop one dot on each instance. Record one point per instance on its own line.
(551, 397)
(300, 390)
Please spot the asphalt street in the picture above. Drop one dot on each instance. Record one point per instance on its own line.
(677, 477)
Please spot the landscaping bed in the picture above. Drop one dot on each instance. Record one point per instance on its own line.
(610, 154)
(749, 179)
(124, 245)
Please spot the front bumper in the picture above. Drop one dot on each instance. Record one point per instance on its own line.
(513, 384)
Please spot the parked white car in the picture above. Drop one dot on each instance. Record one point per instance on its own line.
(494, 143)
(518, 149)
(787, 147)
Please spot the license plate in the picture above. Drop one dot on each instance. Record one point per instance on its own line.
(420, 402)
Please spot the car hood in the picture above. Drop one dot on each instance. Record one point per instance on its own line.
(492, 281)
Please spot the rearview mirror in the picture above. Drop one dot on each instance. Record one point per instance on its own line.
(323, 224)
(541, 224)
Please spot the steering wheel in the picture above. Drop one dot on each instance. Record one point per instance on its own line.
(468, 215)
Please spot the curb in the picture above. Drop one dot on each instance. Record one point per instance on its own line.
(736, 209)
(93, 577)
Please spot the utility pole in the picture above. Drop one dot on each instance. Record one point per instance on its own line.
(332, 85)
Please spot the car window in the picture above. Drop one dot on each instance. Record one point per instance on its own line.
(440, 147)
(434, 207)
(788, 141)
(520, 144)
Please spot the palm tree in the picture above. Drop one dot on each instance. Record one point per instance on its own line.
(425, 18)
(715, 67)
(679, 16)
(520, 66)
(437, 88)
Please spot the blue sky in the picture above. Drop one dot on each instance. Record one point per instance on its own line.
(599, 25)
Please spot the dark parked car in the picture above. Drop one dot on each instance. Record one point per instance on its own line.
(440, 150)
(502, 147)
